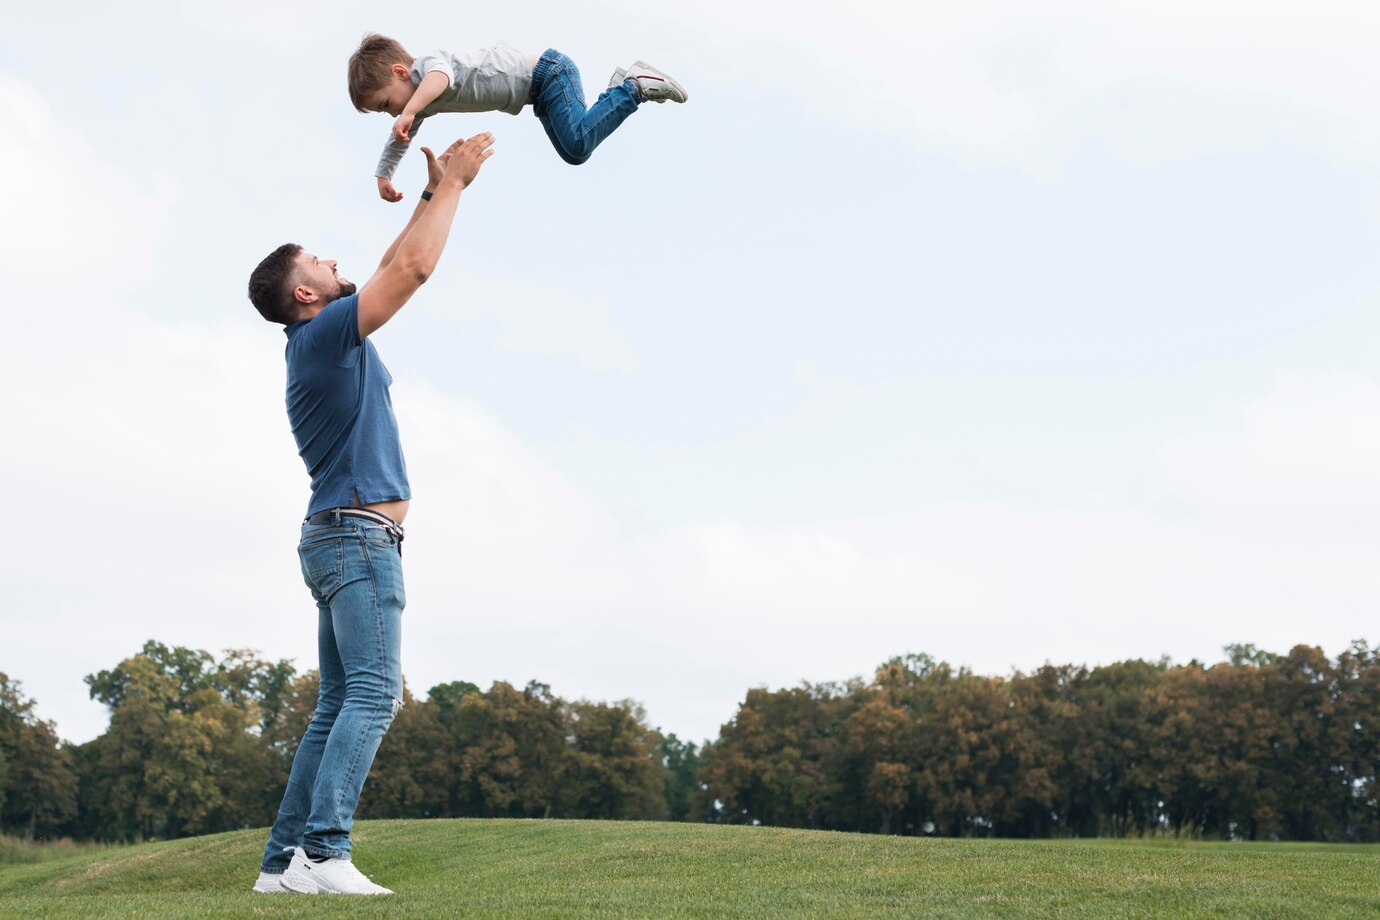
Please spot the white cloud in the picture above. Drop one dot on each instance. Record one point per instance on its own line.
(70, 215)
(1299, 460)
(536, 319)
(1006, 83)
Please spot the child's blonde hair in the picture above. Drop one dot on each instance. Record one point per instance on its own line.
(371, 66)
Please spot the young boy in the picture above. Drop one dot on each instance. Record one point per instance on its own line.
(385, 78)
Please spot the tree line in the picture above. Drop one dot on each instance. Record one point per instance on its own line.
(1259, 746)
(197, 745)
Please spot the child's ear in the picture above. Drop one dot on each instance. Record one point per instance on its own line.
(401, 72)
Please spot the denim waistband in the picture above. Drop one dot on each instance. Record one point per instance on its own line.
(353, 528)
(546, 64)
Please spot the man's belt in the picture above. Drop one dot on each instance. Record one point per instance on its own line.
(332, 516)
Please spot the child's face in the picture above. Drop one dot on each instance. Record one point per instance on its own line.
(392, 97)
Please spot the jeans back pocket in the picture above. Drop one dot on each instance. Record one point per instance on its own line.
(323, 565)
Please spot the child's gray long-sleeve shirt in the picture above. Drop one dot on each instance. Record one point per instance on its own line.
(493, 79)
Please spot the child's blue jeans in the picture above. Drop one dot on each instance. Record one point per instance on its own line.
(558, 100)
(354, 571)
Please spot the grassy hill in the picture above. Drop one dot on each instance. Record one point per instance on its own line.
(487, 868)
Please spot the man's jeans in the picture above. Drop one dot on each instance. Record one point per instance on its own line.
(354, 570)
(558, 100)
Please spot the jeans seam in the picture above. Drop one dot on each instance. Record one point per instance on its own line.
(380, 640)
(364, 726)
(612, 111)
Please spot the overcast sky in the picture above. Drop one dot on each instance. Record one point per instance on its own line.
(1005, 332)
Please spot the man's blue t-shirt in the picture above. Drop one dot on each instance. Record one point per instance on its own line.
(341, 414)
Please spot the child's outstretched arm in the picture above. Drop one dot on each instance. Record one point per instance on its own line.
(432, 85)
(388, 164)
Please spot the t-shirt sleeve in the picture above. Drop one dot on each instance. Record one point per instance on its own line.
(433, 62)
(334, 332)
(393, 151)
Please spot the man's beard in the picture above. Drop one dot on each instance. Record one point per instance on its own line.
(344, 289)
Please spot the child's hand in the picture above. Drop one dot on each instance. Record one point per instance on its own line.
(402, 126)
(387, 192)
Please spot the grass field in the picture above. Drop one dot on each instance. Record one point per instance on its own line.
(484, 868)
(15, 850)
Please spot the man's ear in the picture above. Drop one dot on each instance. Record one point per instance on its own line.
(303, 294)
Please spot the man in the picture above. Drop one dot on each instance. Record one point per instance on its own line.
(342, 418)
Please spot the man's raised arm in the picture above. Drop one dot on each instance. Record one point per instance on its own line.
(415, 254)
(435, 169)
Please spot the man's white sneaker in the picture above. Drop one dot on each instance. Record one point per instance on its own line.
(333, 876)
(654, 85)
(619, 75)
(269, 884)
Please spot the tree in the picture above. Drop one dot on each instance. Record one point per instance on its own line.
(774, 761)
(1357, 731)
(191, 743)
(682, 761)
(1306, 763)
(880, 754)
(511, 750)
(614, 768)
(38, 785)
(414, 770)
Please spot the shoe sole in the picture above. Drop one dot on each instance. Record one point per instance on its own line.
(301, 884)
(670, 81)
(305, 884)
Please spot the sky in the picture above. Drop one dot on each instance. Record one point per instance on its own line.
(1003, 332)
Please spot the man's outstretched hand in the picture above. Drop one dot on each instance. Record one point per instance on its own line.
(413, 256)
(435, 167)
(461, 161)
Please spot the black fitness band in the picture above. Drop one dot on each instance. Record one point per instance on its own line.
(426, 196)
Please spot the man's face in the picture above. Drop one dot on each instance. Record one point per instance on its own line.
(321, 278)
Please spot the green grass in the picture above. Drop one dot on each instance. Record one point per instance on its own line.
(483, 868)
(15, 850)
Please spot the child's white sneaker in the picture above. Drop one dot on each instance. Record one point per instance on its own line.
(619, 75)
(331, 876)
(269, 884)
(653, 85)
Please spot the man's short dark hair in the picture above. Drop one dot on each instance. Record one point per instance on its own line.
(270, 285)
